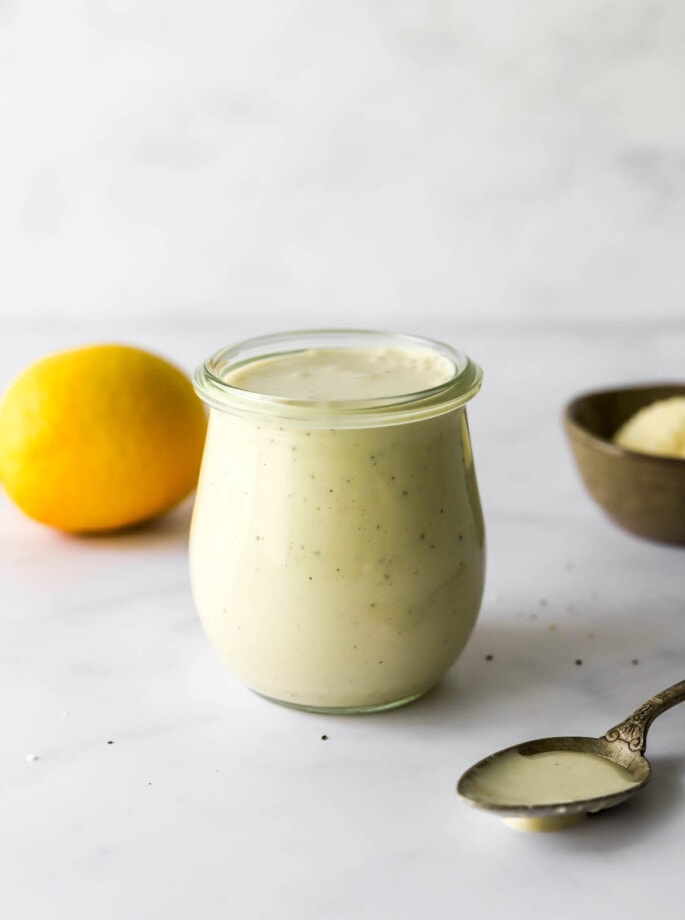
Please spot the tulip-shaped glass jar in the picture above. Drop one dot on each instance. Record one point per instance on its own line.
(337, 543)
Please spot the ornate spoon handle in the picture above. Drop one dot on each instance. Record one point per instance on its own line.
(633, 730)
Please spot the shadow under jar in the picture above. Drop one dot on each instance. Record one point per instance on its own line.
(337, 544)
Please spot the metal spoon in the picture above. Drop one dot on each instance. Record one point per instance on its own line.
(623, 745)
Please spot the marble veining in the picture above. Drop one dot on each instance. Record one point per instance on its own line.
(297, 160)
(139, 779)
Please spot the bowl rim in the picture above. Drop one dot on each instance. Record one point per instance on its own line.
(608, 446)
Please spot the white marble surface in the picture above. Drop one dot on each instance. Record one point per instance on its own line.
(324, 162)
(163, 789)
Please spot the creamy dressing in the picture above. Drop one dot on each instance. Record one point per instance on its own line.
(513, 779)
(338, 567)
(341, 374)
(548, 778)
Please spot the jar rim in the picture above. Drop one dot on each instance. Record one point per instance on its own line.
(211, 386)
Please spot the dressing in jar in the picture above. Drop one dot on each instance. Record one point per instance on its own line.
(337, 542)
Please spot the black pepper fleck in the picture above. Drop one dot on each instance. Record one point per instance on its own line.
(579, 661)
(324, 737)
(489, 657)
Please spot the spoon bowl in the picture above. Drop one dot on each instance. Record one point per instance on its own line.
(551, 783)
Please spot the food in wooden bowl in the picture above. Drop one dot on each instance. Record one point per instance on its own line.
(643, 492)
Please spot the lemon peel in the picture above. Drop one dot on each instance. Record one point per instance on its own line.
(100, 438)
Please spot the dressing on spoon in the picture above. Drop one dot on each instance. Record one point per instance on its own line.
(552, 783)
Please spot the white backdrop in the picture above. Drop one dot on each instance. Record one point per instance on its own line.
(367, 162)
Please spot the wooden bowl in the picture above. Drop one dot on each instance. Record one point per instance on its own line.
(643, 493)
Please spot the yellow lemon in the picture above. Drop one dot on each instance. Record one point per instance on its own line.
(100, 438)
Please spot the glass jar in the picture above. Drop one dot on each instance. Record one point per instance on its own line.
(337, 543)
